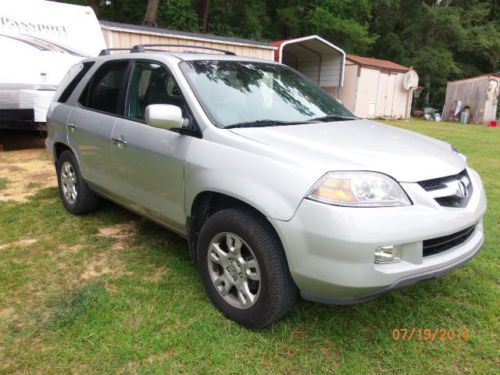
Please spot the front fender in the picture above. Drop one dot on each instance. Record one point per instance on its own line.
(270, 203)
(272, 186)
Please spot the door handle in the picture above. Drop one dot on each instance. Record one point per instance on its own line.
(119, 141)
(72, 126)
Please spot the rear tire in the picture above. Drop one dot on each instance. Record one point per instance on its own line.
(76, 195)
(244, 269)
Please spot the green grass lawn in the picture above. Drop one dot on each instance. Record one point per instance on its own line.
(3, 183)
(112, 293)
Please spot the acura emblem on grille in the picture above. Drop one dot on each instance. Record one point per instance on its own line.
(462, 191)
(450, 191)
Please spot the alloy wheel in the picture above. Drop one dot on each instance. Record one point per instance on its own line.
(234, 270)
(68, 182)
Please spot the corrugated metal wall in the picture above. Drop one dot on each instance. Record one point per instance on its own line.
(125, 39)
(331, 71)
(308, 64)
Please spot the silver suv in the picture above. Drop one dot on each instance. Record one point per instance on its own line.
(278, 189)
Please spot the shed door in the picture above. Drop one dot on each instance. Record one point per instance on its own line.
(389, 95)
(383, 81)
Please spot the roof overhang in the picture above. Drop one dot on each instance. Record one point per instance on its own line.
(310, 40)
(373, 63)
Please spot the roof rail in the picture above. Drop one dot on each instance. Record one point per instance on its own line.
(144, 47)
(107, 51)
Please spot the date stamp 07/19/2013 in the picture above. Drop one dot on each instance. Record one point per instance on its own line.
(430, 334)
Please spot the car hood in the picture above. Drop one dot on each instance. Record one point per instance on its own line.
(360, 145)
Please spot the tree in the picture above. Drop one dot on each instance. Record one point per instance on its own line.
(441, 39)
(343, 22)
(203, 10)
(94, 4)
(151, 13)
(482, 47)
(431, 42)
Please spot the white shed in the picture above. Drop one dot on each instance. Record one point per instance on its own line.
(375, 88)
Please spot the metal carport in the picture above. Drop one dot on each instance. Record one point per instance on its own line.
(316, 58)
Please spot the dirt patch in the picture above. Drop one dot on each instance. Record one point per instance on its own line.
(70, 249)
(22, 243)
(26, 172)
(109, 263)
(156, 276)
(7, 313)
(106, 264)
(96, 268)
(161, 357)
(122, 233)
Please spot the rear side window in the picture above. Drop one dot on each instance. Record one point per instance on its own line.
(78, 72)
(103, 91)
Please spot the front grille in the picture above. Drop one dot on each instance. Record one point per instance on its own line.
(450, 191)
(436, 183)
(440, 244)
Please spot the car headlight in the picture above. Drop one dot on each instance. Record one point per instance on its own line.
(359, 189)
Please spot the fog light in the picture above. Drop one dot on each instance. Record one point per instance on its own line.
(388, 254)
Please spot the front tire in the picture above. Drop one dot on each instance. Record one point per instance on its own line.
(243, 268)
(76, 195)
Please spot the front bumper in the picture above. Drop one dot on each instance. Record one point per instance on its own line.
(330, 249)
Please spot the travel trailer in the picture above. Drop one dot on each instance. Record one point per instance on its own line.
(40, 40)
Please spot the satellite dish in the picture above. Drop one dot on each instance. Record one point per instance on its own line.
(410, 80)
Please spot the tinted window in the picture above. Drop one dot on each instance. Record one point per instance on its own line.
(151, 83)
(103, 91)
(82, 69)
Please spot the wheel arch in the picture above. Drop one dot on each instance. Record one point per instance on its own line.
(59, 148)
(207, 203)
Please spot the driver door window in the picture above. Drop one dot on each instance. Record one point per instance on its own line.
(151, 83)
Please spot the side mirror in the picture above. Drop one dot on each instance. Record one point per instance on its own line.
(164, 116)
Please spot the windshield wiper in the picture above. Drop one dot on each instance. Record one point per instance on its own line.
(333, 118)
(251, 124)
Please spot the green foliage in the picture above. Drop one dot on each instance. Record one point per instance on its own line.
(351, 33)
(246, 19)
(178, 15)
(341, 21)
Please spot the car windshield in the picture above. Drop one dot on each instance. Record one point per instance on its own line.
(250, 94)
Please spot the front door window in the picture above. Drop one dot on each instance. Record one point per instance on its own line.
(151, 83)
